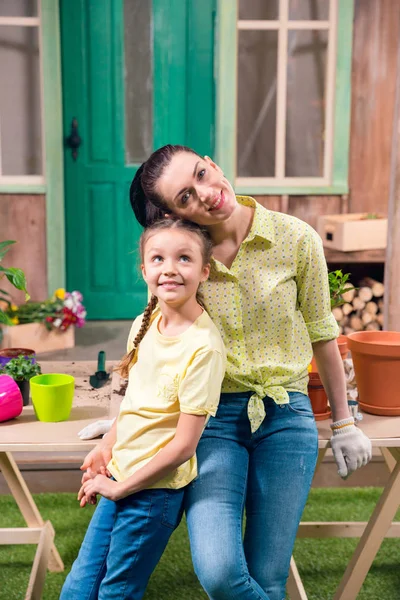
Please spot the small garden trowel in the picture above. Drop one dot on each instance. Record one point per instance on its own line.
(101, 377)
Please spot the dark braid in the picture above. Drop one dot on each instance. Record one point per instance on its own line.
(124, 366)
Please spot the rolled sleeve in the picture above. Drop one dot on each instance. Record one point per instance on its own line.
(200, 389)
(313, 288)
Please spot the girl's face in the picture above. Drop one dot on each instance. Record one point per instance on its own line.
(195, 189)
(173, 265)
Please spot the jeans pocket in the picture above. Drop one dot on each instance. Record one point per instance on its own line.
(173, 508)
(300, 404)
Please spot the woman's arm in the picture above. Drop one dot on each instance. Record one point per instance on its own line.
(180, 449)
(330, 369)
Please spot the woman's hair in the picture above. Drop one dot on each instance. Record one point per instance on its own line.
(146, 202)
(206, 251)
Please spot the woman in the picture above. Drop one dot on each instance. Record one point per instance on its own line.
(268, 295)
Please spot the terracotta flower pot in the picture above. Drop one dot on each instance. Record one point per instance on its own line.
(376, 358)
(318, 397)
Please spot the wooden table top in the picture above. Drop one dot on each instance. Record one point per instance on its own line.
(26, 433)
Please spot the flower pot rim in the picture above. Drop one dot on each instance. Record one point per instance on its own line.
(379, 343)
(13, 351)
(69, 379)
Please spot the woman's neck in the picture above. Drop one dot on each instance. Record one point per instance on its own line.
(235, 229)
(176, 319)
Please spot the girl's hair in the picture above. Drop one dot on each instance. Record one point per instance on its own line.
(146, 202)
(206, 250)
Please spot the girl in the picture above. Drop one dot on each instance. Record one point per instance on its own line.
(176, 363)
(268, 294)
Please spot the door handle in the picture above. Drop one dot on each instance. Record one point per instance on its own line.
(74, 140)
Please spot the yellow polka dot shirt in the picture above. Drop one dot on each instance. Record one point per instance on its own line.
(269, 307)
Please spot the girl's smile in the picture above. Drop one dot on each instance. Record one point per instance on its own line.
(173, 266)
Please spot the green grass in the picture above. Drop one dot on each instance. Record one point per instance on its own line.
(321, 562)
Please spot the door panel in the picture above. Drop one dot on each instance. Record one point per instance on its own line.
(101, 233)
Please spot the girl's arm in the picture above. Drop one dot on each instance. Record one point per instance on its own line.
(180, 449)
(330, 369)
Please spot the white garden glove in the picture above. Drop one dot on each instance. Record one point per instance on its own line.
(350, 446)
(95, 429)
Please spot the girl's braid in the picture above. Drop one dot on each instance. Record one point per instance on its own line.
(124, 366)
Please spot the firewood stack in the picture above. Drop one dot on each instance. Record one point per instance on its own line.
(363, 308)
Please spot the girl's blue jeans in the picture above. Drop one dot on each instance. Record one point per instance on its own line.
(268, 474)
(122, 546)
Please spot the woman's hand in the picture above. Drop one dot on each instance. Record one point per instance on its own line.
(108, 488)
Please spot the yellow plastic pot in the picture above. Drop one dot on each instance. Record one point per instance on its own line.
(52, 396)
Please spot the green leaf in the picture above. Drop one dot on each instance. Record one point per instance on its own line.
(5, 319)
(18, 279)
(4, 248)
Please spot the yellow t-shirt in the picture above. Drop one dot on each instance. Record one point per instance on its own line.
(269, 307)
(170, 375)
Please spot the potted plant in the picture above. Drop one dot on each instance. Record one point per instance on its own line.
(338, 285)
(376, 359)
(48, 325)
(22, 369)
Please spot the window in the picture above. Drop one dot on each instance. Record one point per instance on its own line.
(21, 135)
(283, 94)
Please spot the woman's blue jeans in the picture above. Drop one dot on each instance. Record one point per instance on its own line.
(268, 474)
(122, 546)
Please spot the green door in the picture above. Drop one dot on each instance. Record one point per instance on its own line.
(136, 75)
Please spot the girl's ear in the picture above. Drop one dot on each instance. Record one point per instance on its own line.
(206, 273)
(143, 272)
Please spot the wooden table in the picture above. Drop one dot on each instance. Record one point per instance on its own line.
(384, 432)
(27, 434)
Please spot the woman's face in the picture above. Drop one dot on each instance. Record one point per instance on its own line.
(194, 188)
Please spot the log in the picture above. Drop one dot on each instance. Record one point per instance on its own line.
(348, 330)
(348, 296)
(356, 323)
(371, 307)
(373, 326)
(358, 304)
(380, 319)
(377, 287)
(381, 305)
(348, 308)
(365, 294)
(337, 313)
(366, 318)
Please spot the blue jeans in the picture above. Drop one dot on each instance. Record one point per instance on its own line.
(122, 546)
(269, 474)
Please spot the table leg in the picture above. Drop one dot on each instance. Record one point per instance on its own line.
(295, 587)
(38, 573)
(371, 539)
(26, 503)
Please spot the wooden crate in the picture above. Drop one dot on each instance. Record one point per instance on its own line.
(352, 232)
(35, 336)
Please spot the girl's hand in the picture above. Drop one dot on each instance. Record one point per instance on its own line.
(89, 474)
(104, 486)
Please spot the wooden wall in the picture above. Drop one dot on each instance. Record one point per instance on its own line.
(375, 34)
(23, 219)
(376, 31)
